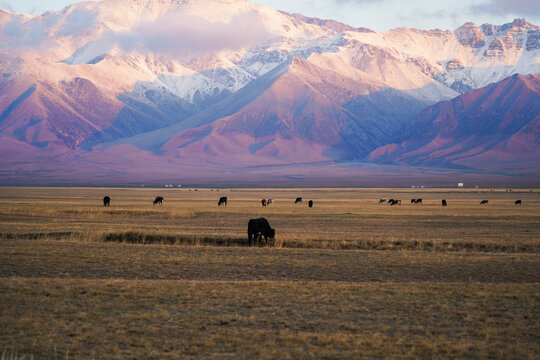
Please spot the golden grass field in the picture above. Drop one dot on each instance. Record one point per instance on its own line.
(346, 279)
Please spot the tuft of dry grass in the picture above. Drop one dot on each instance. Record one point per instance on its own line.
(11, 354)
(149, 238)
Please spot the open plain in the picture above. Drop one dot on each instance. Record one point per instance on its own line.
(348, 278)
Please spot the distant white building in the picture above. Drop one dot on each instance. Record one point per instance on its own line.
(459, 185)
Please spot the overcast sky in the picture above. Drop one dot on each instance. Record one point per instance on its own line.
(375, 14)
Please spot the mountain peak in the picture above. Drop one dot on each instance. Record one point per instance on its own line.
(328, 23)
(532, 81)
(469, 34)
(520, 25)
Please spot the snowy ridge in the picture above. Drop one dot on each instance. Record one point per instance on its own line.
(468, 58)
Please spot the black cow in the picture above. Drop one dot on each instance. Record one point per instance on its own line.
(418, 201)
(518, 202)
(413, 201)
(382, 200)
(298, 200)
(263, 202)
(106, 201)
(393, 202)
(484, 202)
(258, 228)
(222, 200)
(158, 200)
(310, 203)
(443, 202)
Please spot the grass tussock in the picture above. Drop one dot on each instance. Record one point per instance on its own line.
(142, 238)
(413, 245)
(147, 238)
(50, 236)
(11, 354)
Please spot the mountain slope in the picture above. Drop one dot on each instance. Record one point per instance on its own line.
(495, 127)
(307, 114)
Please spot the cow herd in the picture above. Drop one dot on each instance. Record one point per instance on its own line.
(392, 202)
(259, 229)
(222, 201)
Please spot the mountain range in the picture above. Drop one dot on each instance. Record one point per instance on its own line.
(150, 91)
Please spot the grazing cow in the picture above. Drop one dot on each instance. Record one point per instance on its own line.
(393, 202)
(222, 200)
(484, 202)
(443, 202)
(263, 202)
(298, 200)
(518, 202)
(106, 201)
(310, 203)
(413, 201)
(258, 228)
(158, 200)
(418, 201)
(269, 201)
(382, 200)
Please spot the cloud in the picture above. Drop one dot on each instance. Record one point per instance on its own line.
(432, 19)
(17, 33)
(181, 34)
(4, 5)
(525, 8)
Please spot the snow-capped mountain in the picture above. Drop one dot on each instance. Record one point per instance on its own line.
(229, 82)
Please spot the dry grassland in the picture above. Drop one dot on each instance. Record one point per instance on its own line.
(341, 218)
(346, 279)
